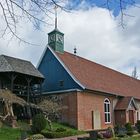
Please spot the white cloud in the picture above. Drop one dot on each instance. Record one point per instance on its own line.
(95, 34)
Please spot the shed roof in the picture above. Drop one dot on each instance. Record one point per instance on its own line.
(98, 77)
(11, 64)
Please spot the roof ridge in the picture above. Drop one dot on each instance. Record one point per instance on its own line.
(101, 65)
(15, 58)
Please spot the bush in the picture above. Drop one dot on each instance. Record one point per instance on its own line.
(54, 134)
(129, 129)
(61, 129)
(138, 125)
(116, 129)
(120, 131)
(38, 123)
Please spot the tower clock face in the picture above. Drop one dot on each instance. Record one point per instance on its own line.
(59, 38)
(52, 38)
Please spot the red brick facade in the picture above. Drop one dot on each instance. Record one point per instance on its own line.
(88, 103)
(80, 109)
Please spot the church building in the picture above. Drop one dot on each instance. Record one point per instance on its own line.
(96, 96)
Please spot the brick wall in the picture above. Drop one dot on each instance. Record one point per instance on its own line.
(88, 103)
(69, 113)
(81, 105)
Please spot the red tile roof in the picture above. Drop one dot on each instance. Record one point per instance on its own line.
(123, 103)
(97, 77)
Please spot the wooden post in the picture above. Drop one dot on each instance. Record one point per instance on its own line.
(13, 77)
(28, 96)
(40, 91)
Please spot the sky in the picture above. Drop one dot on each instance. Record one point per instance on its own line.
(89, 27)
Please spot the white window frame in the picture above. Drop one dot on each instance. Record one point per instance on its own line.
(107, 112)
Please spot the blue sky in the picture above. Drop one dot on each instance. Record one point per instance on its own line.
(113, 5)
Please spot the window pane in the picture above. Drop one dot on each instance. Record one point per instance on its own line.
(105, 107)
(108, 110)
(105, 117)
(108, 117)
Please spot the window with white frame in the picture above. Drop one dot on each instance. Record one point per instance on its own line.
(107, 111)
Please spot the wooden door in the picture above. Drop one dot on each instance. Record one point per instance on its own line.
(131, 116)
(96, 119)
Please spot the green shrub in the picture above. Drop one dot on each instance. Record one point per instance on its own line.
(138, 125)
(38, 123)
(129, 129)
(120, 131)
(61, 129)
(54, 134)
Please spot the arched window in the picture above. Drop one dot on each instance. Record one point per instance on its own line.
(107, 111)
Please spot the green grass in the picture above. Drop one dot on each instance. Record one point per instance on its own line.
(8, 133)
(68, 128)
(60, 130)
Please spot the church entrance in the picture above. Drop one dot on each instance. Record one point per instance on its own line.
(131, 116)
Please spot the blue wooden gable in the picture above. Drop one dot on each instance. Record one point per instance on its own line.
(56, 76)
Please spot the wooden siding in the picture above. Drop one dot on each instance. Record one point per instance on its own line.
(56, 77)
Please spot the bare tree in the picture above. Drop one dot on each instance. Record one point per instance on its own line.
(52, 106)
(33, 11)
(120, 5)
(134, 73)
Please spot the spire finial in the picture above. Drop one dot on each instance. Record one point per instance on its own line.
(55, 16)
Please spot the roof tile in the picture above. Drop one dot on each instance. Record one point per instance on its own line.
(98, 77)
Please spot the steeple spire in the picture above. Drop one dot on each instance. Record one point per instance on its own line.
(55, 37)
(56, 17)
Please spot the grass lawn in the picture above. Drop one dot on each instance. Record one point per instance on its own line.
(8, 133)
(60, 130)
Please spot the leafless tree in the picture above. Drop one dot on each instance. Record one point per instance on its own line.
(121, 5)
(34, 11)
(134, 73)
(52, 107)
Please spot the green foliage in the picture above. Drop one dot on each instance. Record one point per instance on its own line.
(120, 131)
(8, 133)
(54, 134)
(138, 125)
(129, 129)
(60, 130)
(38, 123)
(128, 126)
